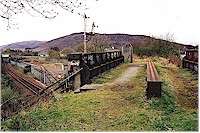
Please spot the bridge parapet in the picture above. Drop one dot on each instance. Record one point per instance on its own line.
(93, 64)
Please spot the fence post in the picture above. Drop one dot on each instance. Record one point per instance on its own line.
(66, 87)
(77, 81)
(131, 53)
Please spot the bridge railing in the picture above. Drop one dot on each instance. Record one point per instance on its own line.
(84, 68)
(94, 64)
(73, 79)
(192, 65)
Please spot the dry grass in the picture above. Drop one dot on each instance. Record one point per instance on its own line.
(184, 84)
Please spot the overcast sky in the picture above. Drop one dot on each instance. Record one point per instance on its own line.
(148, 17)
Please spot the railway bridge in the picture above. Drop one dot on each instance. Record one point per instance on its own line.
(84, 66)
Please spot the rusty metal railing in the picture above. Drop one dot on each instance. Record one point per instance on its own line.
(154, 82)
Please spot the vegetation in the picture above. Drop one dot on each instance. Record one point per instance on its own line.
(97, 43)
(160, 49)
(54, 53)
(7, 91)
(80, 48)
(113, 108)
(66, 51)
(163, 47)
(172, 116)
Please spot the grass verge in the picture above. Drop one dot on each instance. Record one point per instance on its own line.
(113, 108)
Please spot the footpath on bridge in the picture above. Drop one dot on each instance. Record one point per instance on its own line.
(128, 73)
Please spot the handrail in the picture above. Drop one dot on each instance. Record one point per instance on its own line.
(75, 73)
(7, 100)
(106, 63)
(154, 84)
(190, 61)
(152, 74)
(63, 80)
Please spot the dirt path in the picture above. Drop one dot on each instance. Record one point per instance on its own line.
(127, 74)
(120, 81)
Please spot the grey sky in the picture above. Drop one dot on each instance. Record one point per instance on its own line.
(148, 17)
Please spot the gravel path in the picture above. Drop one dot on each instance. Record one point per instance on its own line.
(130, 72)
(127, 74)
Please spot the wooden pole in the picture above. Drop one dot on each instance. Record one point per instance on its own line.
(131, 52)
(84, 41)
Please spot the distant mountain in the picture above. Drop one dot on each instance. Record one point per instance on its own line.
(71, 40)
(23, 45)
(116, 40)
(75, 39)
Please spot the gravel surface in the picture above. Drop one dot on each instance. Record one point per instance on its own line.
(130, 72)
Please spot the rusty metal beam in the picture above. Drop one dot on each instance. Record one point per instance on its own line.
(154, 84)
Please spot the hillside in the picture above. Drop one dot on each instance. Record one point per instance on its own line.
(75, 39)
(23, 45)
(117, 40)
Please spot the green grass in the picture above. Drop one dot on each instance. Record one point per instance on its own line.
(174, 117)
(110, 109)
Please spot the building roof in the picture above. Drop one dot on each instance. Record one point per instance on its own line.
(5, 55)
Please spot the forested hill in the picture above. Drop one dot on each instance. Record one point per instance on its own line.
(75, 39)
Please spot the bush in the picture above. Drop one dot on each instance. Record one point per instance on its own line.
(162, 49)
(6, 89)
(54, 54)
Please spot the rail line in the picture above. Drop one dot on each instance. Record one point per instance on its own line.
(23, 80)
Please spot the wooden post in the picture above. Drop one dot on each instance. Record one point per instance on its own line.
(131, 52)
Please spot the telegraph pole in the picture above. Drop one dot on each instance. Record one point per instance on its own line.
(84, 34)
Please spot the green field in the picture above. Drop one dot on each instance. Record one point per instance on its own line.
(112, 108)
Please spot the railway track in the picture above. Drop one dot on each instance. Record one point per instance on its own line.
(24, 81)
(33, 90)
(27, 84)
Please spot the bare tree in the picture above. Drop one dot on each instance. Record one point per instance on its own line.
(100, 42)
(45, 8)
